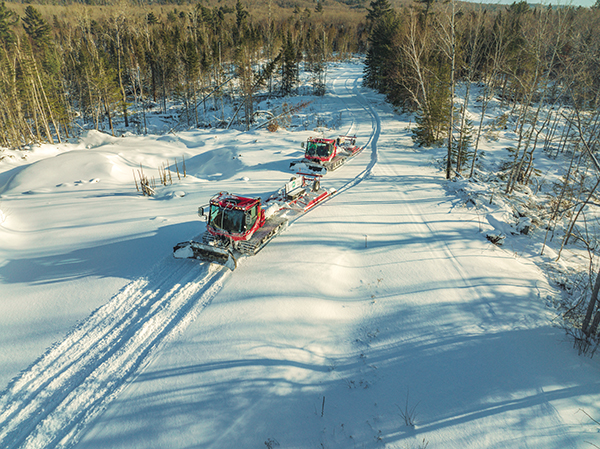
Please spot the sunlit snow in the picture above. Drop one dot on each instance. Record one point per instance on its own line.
(382, 318)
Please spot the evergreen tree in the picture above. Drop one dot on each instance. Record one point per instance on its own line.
(191, 61)
(240, 30)
(151, 18)
(378, 9)
(288, 65)
(381, 53)
(432, 116)
(36, 27)
(7, 19)
(40, 34)
(426, 10)
(317, 60)
(462, 146)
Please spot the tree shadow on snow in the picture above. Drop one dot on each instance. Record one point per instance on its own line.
(463, 386)
(127, 258)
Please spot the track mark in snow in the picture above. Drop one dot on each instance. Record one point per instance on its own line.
(49, 404)
(373, 137)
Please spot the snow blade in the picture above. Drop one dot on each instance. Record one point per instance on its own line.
(207, 253)
(307, 167)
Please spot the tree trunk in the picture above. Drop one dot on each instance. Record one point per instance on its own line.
(452, 74)
(47, 103)
(585, 325)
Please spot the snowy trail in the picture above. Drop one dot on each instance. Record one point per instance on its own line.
(50, 403)
(478, 302)
(352, 91)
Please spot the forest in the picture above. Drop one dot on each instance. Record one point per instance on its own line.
(63, 69)
(81, 65)
(535, 59)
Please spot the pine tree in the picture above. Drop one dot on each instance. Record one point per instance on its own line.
(7, 19)
(288, 65)
(151, 18)
(317, 60)
(378, 9)
(432, 116)
(424, 17)
(462, 146)
(241, 27)
(381, 53)
(36, 27)
(47, 66)
(191, 61)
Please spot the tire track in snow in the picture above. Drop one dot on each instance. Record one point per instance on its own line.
(48, 405)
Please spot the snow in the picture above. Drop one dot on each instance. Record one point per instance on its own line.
(382, 318)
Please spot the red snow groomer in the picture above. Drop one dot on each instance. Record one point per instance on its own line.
(242, 225)
(323, 155)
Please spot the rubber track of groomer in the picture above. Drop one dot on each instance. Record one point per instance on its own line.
(50, 403)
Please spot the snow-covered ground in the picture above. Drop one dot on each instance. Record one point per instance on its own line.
(381, 319)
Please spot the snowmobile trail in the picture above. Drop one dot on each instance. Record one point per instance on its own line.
(50, 403)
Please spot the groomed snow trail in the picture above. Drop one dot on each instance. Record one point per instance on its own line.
(51, 402)
(350, 93)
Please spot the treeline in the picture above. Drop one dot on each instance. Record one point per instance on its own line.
(537, 60)
(80, 66)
